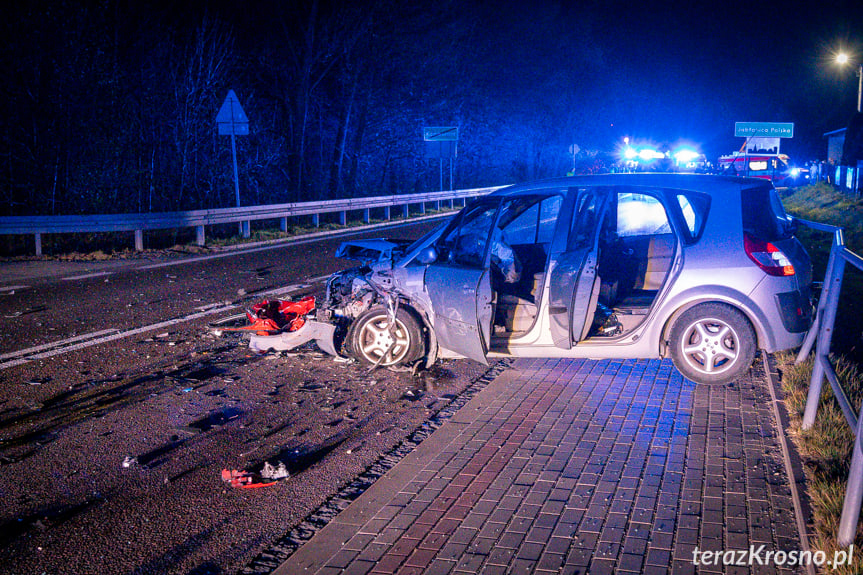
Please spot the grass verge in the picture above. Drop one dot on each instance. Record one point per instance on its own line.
(826, 447)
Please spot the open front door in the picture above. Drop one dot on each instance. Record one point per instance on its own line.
(462, 302)
(573, 276)
(459, 283)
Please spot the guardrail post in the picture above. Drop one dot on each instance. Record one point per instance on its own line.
(853, 493)
(422, 207)
(450, 203)
(814, 330)
(139, 240)
(343, 218)
(316, 220)
(283, 224)
(832, 286)
(199, 235)
(387, 212)
(405, 211)
(366, 218)
(247, 231)
(437, 205)
(38, 238)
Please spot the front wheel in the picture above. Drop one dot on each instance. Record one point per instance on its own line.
(712, 343)
(375, 340)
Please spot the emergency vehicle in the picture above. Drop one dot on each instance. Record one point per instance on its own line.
(773, 167)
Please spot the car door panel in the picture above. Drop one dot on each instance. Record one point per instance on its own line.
(462, 301)
(572, 274)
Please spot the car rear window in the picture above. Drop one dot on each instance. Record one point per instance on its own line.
(763, 214)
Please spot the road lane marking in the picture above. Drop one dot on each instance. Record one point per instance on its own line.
(278, 244)
(113, 337)
(12, 289)
(47, 350)
(87, 276)
(58, 344)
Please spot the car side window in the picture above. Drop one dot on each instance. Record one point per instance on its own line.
(585, 219)
(694, 207)
(530, 220)
(640, 215)
(548, 212)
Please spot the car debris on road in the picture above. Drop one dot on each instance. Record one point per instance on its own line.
(281, 325)
(269, 475)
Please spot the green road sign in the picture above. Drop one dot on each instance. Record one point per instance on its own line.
(440, 134)
(764, 129)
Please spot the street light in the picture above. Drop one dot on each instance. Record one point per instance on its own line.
(842, 58)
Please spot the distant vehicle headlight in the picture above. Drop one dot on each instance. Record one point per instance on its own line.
(686, 156)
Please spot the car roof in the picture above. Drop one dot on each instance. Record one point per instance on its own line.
(701, 182)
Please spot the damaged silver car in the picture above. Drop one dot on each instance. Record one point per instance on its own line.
(703, 269)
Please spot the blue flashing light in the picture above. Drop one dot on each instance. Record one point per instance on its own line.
(686, 155)
(648, 154)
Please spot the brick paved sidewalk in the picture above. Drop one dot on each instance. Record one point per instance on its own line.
(575, 466)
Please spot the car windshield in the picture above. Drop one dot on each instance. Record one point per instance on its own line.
(763, 214)
(425, 237)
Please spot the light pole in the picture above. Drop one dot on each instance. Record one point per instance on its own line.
(842, 58)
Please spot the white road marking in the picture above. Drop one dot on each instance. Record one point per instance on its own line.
(12, 289)
(87, 276)
(58, 344)
(112, 337)
(306, 239)
(75, 343)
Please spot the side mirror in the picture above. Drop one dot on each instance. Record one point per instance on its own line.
(428, 256)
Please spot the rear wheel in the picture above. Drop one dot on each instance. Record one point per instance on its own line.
(375, 340)
(712, 343)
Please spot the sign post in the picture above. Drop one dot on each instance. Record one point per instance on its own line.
(232, 121)
(441, 142)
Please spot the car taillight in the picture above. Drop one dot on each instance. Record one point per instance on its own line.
(767, 256)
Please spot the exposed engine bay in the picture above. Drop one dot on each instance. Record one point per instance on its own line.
(360, 316)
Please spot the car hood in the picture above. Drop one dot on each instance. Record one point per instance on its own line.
(371, 251)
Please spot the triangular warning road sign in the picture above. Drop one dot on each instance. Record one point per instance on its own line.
(231, 111)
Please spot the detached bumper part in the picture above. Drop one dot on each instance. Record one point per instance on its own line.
(321, 333)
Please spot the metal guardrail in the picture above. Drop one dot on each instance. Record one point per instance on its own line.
(820, 335)
(39, 225)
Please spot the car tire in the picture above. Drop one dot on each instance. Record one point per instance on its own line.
(372, 341)
(712, 343)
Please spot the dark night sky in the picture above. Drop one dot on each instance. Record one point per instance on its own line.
(665, 71)
(522, 79)
(689, 70)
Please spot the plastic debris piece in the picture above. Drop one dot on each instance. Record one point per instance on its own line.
(270, 472)
(243, 479)
(130, 461)
(271, 317)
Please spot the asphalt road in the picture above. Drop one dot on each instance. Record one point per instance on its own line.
(119, 410)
